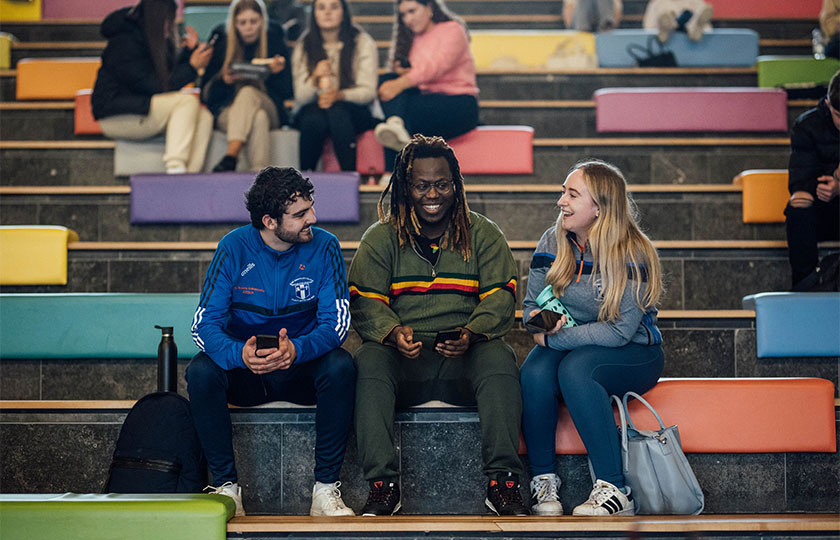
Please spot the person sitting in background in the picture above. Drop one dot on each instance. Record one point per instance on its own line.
(666, 16)
(136, 91)
(592, 15)
(334, 66)
(830, 27)
(247, 106)
(813, 212)
(607, 275)
(432, 88)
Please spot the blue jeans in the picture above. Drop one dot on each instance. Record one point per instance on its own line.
(584, 378)
(329, 381)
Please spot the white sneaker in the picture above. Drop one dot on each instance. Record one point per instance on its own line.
(698, 23)
(606, 500)
(232, 490)
(392, 133)
(544, 499)
(326, 501)
(178, 169)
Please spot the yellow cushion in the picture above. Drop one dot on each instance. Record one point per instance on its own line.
(6, 50)
(55, 78)
(764, 195)
(533, 49)
(20, 10)
(34, 255)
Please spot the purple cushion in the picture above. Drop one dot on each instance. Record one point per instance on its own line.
(690, 109)
(220, 197)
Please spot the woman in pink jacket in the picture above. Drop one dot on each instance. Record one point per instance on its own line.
(432, 89)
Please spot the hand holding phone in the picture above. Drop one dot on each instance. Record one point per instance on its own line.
(447, 335)
(266, 341)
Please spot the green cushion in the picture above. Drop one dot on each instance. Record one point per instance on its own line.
(104, 517)
(781, 71)
(107, 325)
(205, 18)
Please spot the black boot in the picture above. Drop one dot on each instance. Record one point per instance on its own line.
(227, 164)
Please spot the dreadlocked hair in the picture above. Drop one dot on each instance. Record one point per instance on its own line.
(398, 208)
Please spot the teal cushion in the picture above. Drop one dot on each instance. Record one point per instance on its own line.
(91, 325)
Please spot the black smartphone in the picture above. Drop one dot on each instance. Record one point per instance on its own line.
(212, 40)
(447, 336)
(544, 320)
(265, 341)
(403, 62)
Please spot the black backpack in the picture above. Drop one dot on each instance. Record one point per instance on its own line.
(158, 450)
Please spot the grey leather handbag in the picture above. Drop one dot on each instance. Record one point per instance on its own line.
(655, 467)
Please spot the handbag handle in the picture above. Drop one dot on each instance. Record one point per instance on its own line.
(632, 51)
(623, 427)
(645, 403)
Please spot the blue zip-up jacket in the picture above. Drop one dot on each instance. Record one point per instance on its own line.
(581, 298)
(252, 289)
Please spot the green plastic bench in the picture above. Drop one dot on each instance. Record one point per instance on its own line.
(73, 516)
(92, 325)
(787, 71)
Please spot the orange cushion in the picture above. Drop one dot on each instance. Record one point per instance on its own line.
(764, 195)
(55, 78)
(83, 121)
(742, 415)
(370, 157)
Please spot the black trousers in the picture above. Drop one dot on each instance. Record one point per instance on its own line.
(805, 228)
(341, 123)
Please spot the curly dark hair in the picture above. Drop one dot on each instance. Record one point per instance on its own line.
(273, 190)
(398, 209)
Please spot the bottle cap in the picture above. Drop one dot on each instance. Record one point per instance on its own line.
(165, 330)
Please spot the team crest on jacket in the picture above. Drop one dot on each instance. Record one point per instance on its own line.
(301, 288)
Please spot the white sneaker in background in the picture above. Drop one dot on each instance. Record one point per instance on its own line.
(180, 169)
(606, 500)
(232, 490)
(326, 501)
(698, 23)
(392, 133)
(544, 498)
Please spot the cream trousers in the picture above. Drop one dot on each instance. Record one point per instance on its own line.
(249, 119)
(188, 128)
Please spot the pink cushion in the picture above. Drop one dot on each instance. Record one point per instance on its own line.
(85, 9)
(691, 109)
(766, 9)
(370, 157)
(495, 150)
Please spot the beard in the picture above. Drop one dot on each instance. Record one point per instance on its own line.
(301, 236)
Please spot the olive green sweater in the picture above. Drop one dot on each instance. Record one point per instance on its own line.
(392, 286)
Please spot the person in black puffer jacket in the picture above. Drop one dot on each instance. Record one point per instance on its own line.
(245, 107)
(136, 92)
(813, 212)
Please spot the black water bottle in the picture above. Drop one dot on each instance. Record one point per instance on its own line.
(167, 361)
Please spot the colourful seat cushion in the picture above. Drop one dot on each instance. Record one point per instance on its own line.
(764, 195)
(738, 415)
(690, 109)
(83, 121)
(15, 10)
(370, 157)
(6, 40)
(94, 325)
(784, 71)
(724, 47)
(73, 516)
(217, 197)
(34, 254)
(495, 150)
(55, 78)
(528, 48)
(796, 324)
(766, 9)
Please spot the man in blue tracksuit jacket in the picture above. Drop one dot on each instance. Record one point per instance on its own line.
(281, 277)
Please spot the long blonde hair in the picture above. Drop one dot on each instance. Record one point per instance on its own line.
(618, 246)
(234, 50)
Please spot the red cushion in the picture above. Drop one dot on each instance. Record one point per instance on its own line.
(766, 9)
(495, 150)
(83, 121)
(370, 156)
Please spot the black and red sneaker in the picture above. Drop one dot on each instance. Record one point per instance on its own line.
(503, 496)
(383, 499)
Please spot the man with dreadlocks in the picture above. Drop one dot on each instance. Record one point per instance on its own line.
(430, 266)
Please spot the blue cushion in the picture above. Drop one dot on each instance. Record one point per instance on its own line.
(719, 47)
(219, 197)
(796, 324)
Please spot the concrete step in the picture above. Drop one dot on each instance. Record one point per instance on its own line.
(668, 213)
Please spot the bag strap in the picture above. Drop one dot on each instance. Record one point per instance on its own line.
(637, 52)
(646, 404)
(622, 428)
(653, 40)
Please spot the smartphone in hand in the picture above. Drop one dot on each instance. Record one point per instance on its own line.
(266, 341)
(447, 335)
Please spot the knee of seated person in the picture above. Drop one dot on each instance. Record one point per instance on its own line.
(575, 366)
(537, 369)
(338, 365)
(202, 371)
(373, 359)
(496, 358)
(247, 92)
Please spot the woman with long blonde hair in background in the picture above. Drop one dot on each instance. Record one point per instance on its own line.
(597, 265)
